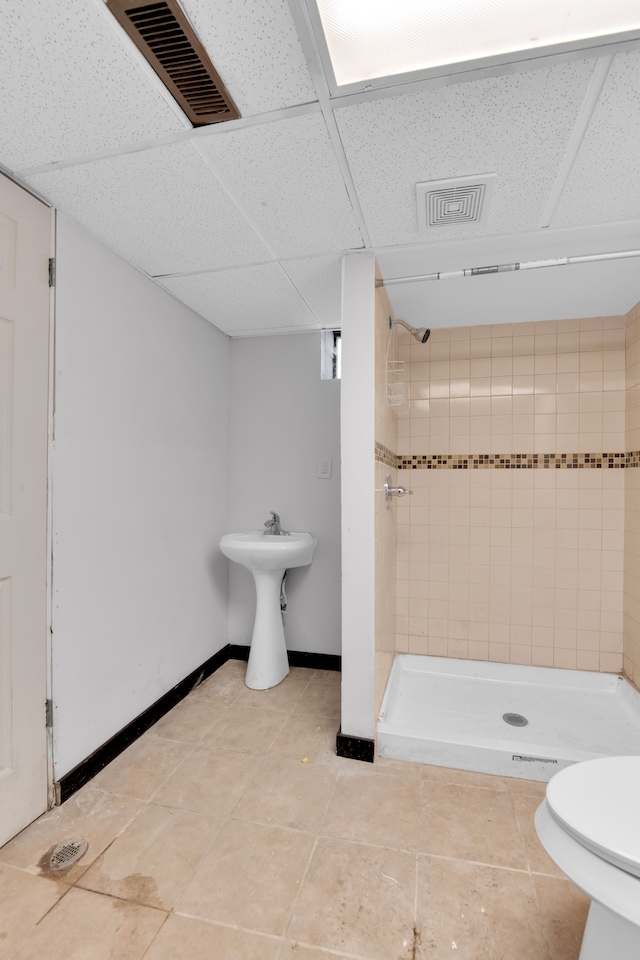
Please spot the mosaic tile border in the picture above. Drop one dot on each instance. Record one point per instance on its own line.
(384, 455)
(520, 461)
(508, 461)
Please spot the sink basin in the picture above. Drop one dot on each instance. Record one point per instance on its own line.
(256, 551)
(268, 557)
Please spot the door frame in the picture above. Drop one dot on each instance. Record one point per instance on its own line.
(47, 639)
(52, 795)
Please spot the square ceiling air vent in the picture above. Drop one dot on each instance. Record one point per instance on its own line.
(166, 39)
(457, 201)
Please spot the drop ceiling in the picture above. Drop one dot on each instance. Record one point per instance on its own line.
(246, 221)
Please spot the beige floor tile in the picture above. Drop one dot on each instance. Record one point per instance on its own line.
(288, 793)
(475, 912)
(357, 899)
(249, 877)
(183, 938)
(398, 768)
(209, 781)
(312, 673)
(154, 858)
(246, 729)
(328, 676)
(284, 697)
(321, 699)
(24, 900)
(525, 807)
(375, 808)
(311, 737)
(257, 891)
(564, 911)
(534, 788)
(294, 950)
(88, 926)
(96, 816)
(307, 673)
(471, 823)
(142, 768)
(225, 685)
(188, 721)
(466, 778)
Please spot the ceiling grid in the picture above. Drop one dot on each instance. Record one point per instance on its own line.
(246, 220)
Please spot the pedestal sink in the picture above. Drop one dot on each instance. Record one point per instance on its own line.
(267, 557)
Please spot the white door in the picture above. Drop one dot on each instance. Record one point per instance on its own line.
(25, 243)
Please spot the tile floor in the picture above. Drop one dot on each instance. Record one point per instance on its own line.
(231, 831)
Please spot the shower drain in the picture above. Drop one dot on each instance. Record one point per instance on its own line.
(515, 719)
(67, 852)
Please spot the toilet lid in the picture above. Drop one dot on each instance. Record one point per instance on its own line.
(598, 803)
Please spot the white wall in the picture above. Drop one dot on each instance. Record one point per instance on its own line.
(284, 418)
(140, 494)
(358, 482)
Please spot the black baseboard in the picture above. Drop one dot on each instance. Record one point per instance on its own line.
(297, 658)
(93, 764)
(238, 652)
(355, 748)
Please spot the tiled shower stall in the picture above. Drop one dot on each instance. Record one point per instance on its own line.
(520, 542)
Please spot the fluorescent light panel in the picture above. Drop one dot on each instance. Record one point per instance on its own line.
(368, 39)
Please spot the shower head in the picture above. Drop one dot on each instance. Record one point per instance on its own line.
(421, 334)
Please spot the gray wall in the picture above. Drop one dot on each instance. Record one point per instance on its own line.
(140, 494)
(283, 419)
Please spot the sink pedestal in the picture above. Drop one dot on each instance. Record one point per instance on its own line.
(267, 557)
(268, 661)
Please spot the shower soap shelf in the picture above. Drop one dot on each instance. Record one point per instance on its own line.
(397, 383)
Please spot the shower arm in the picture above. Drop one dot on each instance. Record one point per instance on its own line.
(404, 324)
(422, 334)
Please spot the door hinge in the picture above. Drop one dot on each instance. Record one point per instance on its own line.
(52, 271)
(48, 713)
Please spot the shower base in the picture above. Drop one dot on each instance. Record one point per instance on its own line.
(450, 712)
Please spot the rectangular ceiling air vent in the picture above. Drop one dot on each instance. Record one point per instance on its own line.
(166, 39)
(457, 201)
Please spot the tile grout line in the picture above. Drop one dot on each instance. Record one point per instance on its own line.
(534, 887)
(314, 846)
(491, 866)
(108, 896)
(301, 881)
(229, 816)
(144, 804)
(271, 936)
(418, 849)
(156, 935)
(264, 759)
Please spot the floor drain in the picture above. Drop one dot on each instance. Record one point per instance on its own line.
(515, 719)
(67, 852)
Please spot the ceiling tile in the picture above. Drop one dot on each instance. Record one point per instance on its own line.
(162, 209)
(246, 301)
(288, 175)
(69, 86)
(516, 125)
(255, 48)
(319, 280)
(604, 183)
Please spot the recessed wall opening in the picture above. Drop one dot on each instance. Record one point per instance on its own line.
(331, 355)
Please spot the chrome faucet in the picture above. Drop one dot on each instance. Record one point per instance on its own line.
(273, 527)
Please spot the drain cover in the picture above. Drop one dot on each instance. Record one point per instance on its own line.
(67, 852)
(515, 719)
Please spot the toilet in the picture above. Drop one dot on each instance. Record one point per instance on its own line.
(589, 824)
